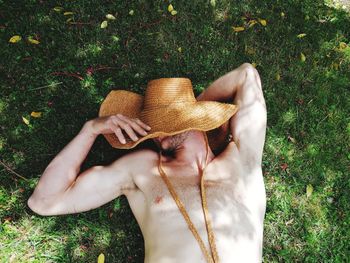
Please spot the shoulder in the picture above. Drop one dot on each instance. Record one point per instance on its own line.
(137, 160)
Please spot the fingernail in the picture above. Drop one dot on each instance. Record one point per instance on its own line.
(135, 138)
(123, 142)
(148, 127)
(144, 133)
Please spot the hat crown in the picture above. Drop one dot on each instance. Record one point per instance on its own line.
(165, 92)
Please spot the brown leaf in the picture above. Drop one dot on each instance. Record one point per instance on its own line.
(284, 166)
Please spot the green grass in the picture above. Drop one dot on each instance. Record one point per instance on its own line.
(308, 131)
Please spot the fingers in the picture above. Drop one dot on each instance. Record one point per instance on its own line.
(143, 125)
(119, 134)
(128, 125)
(137, 125)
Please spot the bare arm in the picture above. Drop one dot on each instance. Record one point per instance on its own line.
(61, 191)
(64, 168)
(242, 86)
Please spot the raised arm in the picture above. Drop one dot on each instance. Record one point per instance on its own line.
(62, 190)
(242, 86)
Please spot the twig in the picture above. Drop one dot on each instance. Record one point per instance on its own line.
(79, 23)
(12, 171)
(53, 84)
(67, 74)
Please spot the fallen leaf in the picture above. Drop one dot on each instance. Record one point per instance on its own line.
(289, 222)
(335, 66)
(263, 22)
(110, 17)
(330, 200)
(284, 166)
(174, 12)
(179, 49)
(170, 8)
(104, 24)
(238, 29)
(101, 258)
(212, 3)
(25, 120)
(252, 23)
(342, 45)
(283, 14)
(68, 13)
(131, 12)
(302, 57)
(291, 139)
(309, 190)
(301, 35)
(278, 76)
(254, 64)
(36, 114)
(33, 41)
(15, 39)
(58, 9)
(250, 50)
(69, 19)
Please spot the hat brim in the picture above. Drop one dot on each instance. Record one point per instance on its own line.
(172, 120)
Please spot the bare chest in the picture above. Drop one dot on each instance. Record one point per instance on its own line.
(227, 198)
(235, 220)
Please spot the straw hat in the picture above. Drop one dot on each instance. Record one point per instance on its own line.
(169, 107)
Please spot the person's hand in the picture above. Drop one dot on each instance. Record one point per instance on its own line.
(117, 123)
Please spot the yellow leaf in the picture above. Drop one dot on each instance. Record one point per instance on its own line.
(263, 22)
(301, 35)
(33, 41)
(174, 12)
(69, 19)
(309, 190)
(302, 57)
(238, 29)
(68, 13)
(110, 17)
(36, 114)
(58, 9)
(283, 14)
(179, 49)
(278, 76)
(212, 3)
(254, 64)
(101, 258)
(250, 50)
(335, 66)
(252, 22)
(25, 120)
(15, 39)
(170, 8)
(342, 45)
(131, 12)
(104, 24)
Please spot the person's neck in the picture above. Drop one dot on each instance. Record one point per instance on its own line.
(191, 153)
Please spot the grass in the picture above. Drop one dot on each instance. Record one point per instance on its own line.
(76, 64)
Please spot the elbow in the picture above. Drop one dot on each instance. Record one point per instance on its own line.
(37, 208)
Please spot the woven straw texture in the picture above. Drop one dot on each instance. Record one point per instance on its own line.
(169, 107)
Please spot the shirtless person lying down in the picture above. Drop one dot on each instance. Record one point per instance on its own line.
(192, 205)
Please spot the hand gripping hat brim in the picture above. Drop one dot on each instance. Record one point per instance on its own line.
(169, 107)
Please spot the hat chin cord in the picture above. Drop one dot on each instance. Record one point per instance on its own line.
(212, 255)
